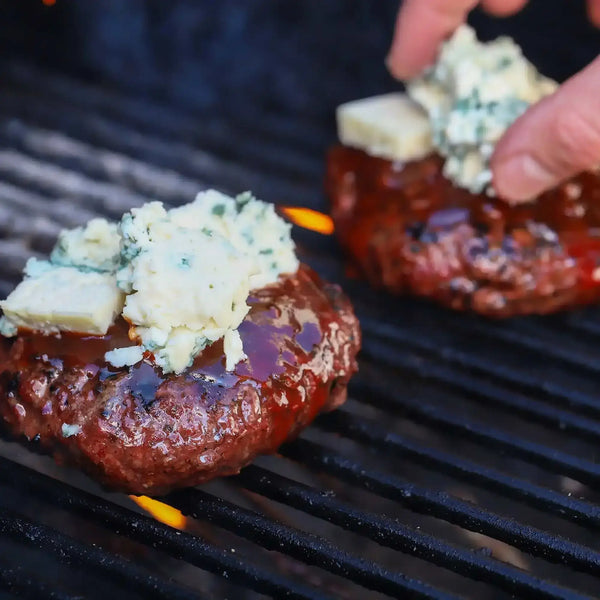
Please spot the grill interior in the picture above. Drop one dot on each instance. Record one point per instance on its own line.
(463, 465)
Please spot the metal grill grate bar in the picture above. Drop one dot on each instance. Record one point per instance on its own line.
(441, 505)
(111, 153)
(473, 363)
(45, 178)
(72, 552)
(478, 388)
(303, 546)
(538, 497)
(585, 325)
(28, 585)
(434, 416)
(273, 128)
(184, 159)
(309, 549)
(97, 163)
(538, 345)
(146, 530)
(531, 333)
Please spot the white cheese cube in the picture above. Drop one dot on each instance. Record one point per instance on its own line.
(65, 299)
(391, 126)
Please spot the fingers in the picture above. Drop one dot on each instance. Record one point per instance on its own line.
(421, 26)
(503, 8)
(594, 11)
(555, 139)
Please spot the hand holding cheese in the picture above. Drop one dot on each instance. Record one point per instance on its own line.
(422, 25)
(459, 108)
(552, 141)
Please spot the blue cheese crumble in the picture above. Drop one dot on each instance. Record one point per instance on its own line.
(473, 93)
(68, 430)
(180, 277)
(94, 247)
(187, 273)
(251, 226)
(7, 329)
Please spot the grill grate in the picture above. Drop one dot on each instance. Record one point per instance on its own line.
(463, 465)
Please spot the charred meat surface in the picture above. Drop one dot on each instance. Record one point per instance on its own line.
(137, 430)
(407, 229)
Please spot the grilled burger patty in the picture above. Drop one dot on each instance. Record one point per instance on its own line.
(139, 431)
(406, 228)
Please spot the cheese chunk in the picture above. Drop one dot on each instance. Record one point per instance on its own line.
(472, 94)
(65, 299)
(187, 273)
(180, 277)
(95, 247)
(233, 348)
(122, 357)
(251, 226)
(459, 108)
(391, 126)
(188, 288)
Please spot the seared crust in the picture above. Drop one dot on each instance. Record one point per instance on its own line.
(408, 229)
(141, 432)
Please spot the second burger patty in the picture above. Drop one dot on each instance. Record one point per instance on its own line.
(408, 229)
(139, 431)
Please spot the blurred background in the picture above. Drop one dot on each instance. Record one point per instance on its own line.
(289, 56)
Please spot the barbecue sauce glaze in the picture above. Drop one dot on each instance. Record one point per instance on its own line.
(301, 338)
(406, 228)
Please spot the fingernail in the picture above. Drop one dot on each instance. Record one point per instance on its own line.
(522, 177)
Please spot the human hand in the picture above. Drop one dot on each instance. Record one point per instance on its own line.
(553, 140)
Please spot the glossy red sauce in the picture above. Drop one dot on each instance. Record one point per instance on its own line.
(407, 228)
(285, 324)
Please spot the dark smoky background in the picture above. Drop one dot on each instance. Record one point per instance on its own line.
(305, 56)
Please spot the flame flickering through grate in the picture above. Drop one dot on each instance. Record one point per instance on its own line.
(161, 512)
(309, 219)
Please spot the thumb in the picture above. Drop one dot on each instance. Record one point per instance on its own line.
(553, 140)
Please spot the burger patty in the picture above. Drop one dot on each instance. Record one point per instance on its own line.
(406, 228)
(139, 431)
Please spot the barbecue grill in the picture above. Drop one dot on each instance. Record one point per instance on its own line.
(465, 463)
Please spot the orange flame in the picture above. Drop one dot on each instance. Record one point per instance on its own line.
(309, 219)
(161, 512)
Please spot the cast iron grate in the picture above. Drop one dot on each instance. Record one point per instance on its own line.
(464, 464)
